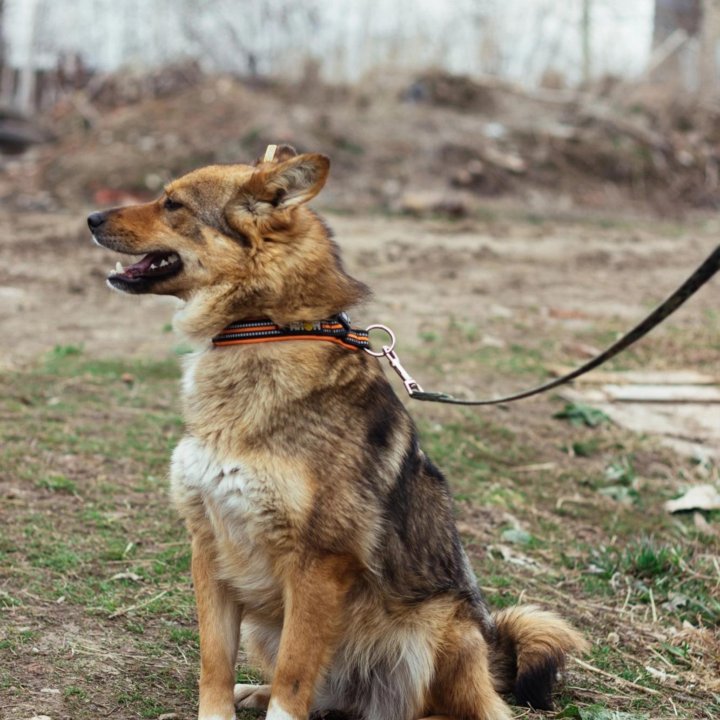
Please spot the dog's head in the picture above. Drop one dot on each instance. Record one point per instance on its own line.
(243, 230)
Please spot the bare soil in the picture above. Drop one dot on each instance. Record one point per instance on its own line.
(501, 276)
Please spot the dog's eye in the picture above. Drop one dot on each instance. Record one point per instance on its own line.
(171, 204)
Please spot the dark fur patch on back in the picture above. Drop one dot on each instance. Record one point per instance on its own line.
(534, 686)
(423, 556)
(382, 417)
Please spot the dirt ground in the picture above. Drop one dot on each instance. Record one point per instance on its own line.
(500, 275)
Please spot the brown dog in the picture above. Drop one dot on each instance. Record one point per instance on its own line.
(317, 522)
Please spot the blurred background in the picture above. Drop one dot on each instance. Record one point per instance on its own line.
(519, 181)
(423, 105)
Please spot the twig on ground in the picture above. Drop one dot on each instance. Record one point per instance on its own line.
(661, 657)
(616, 678)
(534, 467)
(627, 600)
(137, 606)
(652, 605)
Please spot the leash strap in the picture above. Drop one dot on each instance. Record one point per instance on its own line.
(685, 291)
(336, 329)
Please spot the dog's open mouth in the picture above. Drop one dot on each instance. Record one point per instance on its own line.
(154, 265)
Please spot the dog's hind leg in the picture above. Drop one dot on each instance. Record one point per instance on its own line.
(256, 697)
(314, 606)
(463, 686)
(219, 623)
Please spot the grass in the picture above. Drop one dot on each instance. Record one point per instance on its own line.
(95, 590)
(84, 455)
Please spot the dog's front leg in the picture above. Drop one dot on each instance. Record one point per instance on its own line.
(219, 624)
(315, 593)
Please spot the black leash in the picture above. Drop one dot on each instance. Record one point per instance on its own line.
(683, 293)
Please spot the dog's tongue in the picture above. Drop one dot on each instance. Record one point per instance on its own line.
(140, 267)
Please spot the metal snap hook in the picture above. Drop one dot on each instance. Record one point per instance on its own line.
(388, 351)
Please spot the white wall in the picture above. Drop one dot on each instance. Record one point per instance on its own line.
(516, 38)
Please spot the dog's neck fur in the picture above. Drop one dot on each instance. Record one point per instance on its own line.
(311, 291)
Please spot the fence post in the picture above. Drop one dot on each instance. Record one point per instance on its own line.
(710, 48)
(25, 98)
(585, 28)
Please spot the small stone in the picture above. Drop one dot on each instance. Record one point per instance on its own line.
(153, 181)
(613, 639)
(423, 203)
(50, 691)
(516, 536)
(492, 342)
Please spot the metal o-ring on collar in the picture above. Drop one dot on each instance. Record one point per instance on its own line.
(386, 348)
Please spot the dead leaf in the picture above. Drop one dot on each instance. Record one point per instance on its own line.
(127, 576)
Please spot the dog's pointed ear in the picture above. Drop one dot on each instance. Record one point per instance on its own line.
(295, 180)
(280, 154)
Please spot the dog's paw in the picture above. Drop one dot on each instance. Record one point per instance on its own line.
(252, 696)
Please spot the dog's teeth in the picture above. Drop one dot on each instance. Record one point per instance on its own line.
(119, 269)
(153, 266)
(164, 262)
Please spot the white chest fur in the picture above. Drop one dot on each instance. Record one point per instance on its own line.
(227, 498)
(250, 508)
(223, 485)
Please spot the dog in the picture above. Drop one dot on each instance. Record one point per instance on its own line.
(317, 522)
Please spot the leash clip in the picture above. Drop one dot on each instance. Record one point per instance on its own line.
(388, 351)
(409, 382)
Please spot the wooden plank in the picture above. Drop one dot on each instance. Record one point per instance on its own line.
(691, 429)
(663, 393)
(640, 377)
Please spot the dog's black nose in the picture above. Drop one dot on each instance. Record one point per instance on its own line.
(96, 219)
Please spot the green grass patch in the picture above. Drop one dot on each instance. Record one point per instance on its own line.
(58, 483)
(578, 414)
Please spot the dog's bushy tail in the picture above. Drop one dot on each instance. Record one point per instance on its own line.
(532, 645)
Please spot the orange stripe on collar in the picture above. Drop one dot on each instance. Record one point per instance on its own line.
(336, 329)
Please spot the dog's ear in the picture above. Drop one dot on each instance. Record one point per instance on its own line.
(282, 153)
(293, 181)
(277, 186)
